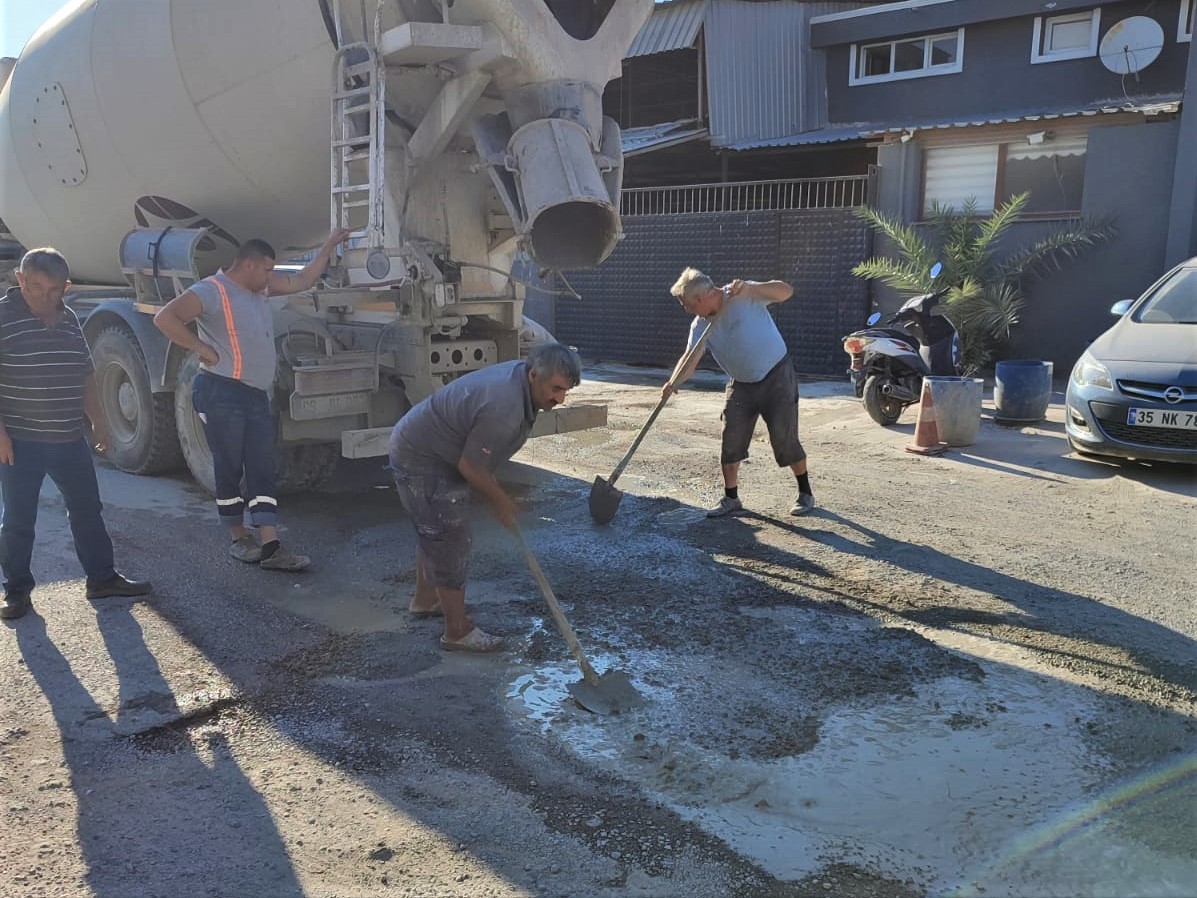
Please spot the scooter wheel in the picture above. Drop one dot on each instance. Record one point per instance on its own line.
(883, 409)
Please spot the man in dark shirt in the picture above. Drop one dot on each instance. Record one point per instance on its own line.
(46, 389)
(453, 441)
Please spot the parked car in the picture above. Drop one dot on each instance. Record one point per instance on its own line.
(1133, 393)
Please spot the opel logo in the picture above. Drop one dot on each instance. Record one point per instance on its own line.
(1174, 395)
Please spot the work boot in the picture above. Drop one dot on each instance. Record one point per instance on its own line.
(804, 504)
(118, 585)
(246, 549)
(284, 560)
(727, 505)
(16, 604)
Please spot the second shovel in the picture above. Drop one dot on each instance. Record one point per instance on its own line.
(604, 497)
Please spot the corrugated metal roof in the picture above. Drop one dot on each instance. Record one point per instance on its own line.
(1147, 106)
(657, 137)
(672, 26)
(836, 134)
(1155, 105)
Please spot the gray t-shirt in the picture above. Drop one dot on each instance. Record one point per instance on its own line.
(484, 416)
(239, 325)
(745, 340)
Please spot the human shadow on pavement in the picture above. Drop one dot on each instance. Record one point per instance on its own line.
(173, 823)
(1011, 609)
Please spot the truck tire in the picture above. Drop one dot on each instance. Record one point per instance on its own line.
(142, 422)
(190, 428)
(299, 467)
(305, 466)
(881, 408)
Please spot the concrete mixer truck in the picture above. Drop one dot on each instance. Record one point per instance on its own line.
(146, 139)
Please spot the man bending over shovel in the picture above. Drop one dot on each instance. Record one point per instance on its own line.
(451, 443)
(747, 345)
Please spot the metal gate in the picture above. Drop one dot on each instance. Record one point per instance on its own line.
(802, 231)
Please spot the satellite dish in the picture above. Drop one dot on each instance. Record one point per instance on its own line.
(1131, 45)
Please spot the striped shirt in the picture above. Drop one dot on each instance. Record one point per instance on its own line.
(42, 372)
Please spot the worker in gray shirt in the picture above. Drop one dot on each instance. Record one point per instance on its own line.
(234, 339)
(452, 442)
(746, 343)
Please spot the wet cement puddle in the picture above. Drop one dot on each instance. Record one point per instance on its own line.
(967, 788)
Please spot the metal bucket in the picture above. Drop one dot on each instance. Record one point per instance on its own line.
(957, 408)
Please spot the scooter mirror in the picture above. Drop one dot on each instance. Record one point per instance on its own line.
(936, 270)
(873, 319)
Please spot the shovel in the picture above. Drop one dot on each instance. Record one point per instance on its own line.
(604, 497)
(611, 693)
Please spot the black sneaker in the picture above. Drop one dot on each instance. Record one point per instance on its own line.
(16, 604)
(118, 585)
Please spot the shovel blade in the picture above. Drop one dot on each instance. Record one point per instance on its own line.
(612, 693)
(604, 501)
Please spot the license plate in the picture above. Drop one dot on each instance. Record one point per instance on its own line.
(1158, 417)
(308, 408)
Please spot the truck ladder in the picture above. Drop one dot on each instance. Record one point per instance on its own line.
(358, 128)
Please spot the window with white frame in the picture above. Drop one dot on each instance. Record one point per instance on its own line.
(910, 57)
(1050, 168)
(1071, 36)
(1184, 31)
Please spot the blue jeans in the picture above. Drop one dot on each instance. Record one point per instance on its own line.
(239, 425)
(70, 467)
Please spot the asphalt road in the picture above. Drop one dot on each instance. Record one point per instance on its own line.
(975, 674)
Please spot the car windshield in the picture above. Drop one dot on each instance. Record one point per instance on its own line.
(1173, 302)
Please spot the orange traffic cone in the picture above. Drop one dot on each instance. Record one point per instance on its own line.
(926, 431)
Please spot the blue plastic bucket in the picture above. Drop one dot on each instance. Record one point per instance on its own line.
(1022, 391)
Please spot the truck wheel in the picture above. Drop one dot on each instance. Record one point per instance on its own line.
(305, 466)
(300, 467)
(881, 408)
(190, 428)
(140, 420)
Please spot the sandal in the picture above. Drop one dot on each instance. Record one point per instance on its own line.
(425, 613)
(477, 641)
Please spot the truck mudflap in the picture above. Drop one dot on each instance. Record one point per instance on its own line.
(373, 441)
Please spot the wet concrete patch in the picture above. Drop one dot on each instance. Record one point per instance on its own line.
(940, 786)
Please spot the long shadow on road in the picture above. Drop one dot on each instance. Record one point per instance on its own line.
(1070, 629)
(177, 824)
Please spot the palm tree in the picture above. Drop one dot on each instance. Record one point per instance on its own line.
(985, 294)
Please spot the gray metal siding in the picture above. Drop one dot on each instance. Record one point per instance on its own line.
(1128, 177)
(672, 26)
(998, 75)
(762, 79)
(627, 314)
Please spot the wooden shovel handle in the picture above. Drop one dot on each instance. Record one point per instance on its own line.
(698, 346)
(559, 617)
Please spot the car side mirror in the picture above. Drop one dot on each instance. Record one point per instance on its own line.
(1121, 307)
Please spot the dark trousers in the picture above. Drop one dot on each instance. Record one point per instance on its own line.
(239, 425)
(70, 467)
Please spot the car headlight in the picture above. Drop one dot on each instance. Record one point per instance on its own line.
(1089, 370)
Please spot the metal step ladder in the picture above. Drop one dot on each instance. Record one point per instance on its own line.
(358, 127)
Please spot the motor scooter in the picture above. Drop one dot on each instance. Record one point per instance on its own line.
(889, 363)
